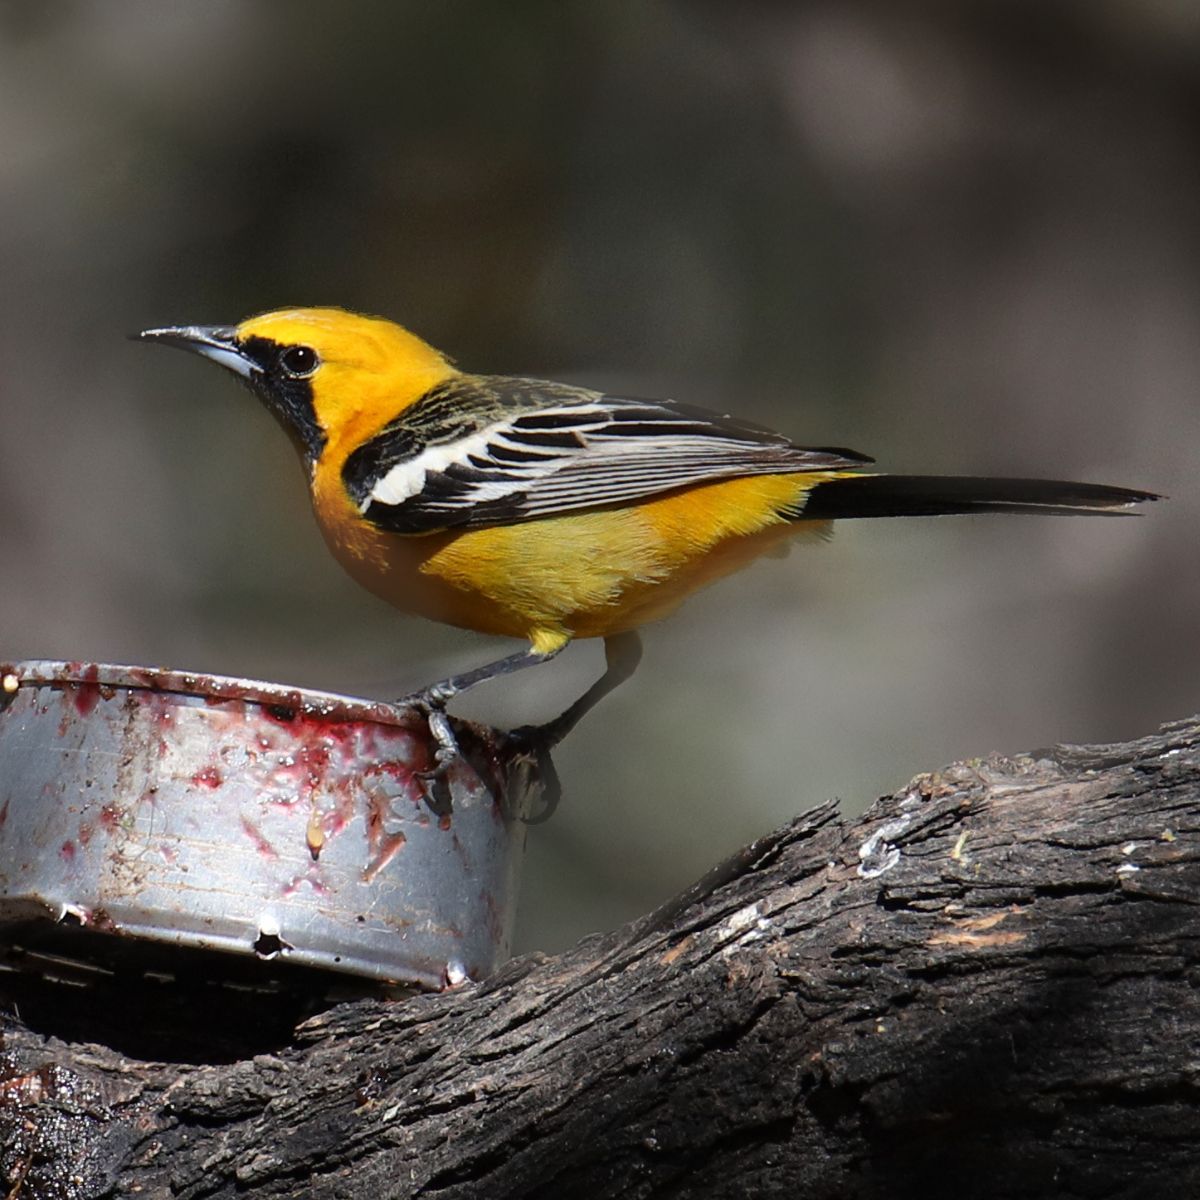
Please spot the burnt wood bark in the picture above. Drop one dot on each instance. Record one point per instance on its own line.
(984, 987)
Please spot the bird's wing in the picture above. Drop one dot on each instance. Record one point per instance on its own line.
(491, 450)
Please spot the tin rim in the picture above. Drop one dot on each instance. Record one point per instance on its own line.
(330, 706)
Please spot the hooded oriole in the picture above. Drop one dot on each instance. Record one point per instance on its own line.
(545, 511)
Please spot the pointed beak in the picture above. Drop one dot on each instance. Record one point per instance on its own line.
(218, 342)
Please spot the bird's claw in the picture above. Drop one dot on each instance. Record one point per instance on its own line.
(432, 703)
(537, 741)
(443, 733)
(437, 695)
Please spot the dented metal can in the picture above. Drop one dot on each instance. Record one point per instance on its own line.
(227, 814)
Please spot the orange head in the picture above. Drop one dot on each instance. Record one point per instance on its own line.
(331, 377)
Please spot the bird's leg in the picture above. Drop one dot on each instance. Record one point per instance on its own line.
(622, 654)
(438, 694)
(432, 700)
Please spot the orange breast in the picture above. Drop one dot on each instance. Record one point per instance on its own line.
(587, 574)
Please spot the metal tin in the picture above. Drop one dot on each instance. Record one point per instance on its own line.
(260, 820)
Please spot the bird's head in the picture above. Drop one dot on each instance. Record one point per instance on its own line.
(328, 375)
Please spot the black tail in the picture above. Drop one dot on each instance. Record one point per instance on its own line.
(936, 495)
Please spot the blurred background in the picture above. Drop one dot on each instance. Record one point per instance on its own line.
(960, 236)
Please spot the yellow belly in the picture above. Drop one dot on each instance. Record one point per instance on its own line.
(588, 574)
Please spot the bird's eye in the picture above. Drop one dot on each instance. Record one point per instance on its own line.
(300, 361)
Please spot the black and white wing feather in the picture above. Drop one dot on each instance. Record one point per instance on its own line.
(491, 450)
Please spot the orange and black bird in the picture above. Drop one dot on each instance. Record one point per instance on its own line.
(546, 511)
